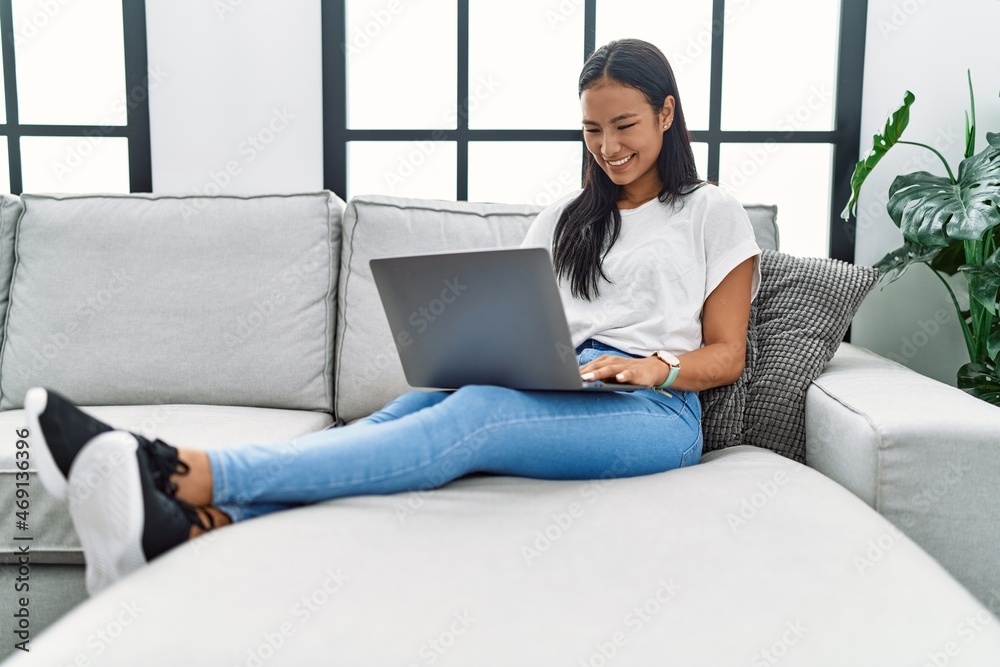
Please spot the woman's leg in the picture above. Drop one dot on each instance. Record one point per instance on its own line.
(401, 406)
(554, 435)
(408, 403)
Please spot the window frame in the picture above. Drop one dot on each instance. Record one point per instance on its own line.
(845, 138)
(136, 129)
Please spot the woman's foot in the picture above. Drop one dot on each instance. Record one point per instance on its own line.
(63, 430)
(122, 519)
(194, 485)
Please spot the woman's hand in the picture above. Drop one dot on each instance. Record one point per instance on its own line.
(647, 372)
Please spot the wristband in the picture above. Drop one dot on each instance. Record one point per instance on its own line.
(675, 367)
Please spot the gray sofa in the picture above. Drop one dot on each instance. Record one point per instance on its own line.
(215, 321)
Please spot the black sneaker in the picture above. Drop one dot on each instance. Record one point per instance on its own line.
(122, 520)
(63, 429)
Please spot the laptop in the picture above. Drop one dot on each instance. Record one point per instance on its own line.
(490, 317)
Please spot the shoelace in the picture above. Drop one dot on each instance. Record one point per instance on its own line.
(163, 463)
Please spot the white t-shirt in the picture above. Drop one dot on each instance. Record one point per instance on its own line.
(665, 263)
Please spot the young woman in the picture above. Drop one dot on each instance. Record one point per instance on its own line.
(657, 270)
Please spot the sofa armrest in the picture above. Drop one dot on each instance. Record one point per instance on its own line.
(922, 453)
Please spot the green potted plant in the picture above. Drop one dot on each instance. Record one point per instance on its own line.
(951, 224)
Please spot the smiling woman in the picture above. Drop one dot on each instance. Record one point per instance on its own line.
(661, 269)
(629, 143)
(643, 211)
(630, 103)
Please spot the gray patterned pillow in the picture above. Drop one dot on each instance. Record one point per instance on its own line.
(797, 321)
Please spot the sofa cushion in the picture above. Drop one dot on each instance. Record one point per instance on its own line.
(10, 211)
(368, 371)
(200, 426)
(764, 218)
(797, 321)
(143, 299)
(743, 559)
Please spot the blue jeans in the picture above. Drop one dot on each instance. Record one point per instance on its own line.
(424, 439)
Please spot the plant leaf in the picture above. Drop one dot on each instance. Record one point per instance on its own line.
(993, 346)
(932, 210)
(993, 262)
(970, 124)
(894, 264)
(994, 139)
(980, 380)
(949, 259)
(881, 143)
(984, 283)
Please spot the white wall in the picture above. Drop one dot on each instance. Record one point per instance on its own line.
(924, 46)
(236, 95)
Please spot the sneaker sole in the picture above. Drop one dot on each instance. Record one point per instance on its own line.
(48, 471)
(106, 505)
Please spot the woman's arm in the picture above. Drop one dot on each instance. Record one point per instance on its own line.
(724, 321)
(718, 362)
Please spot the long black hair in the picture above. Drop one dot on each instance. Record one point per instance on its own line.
(590, 224)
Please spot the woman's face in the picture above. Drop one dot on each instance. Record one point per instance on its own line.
(623, 133)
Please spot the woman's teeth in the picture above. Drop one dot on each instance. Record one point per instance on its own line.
(622, 161)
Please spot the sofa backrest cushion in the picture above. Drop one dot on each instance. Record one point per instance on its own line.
(368, 372)
(764, 218)
(367, 367)
(10, 211)
(143, 299)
